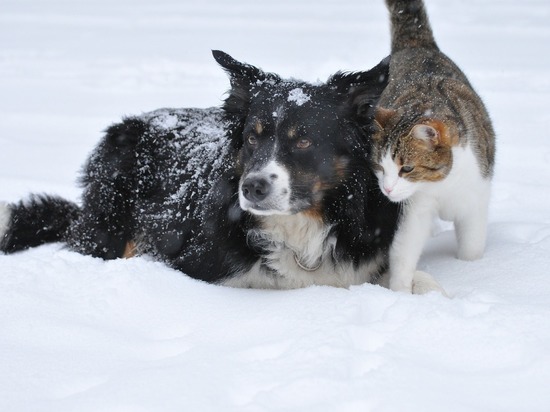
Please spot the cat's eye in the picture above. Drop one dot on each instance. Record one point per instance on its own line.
(303, 143)
(407, 169)
(252, 140)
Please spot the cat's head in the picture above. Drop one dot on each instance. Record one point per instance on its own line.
(409, 153)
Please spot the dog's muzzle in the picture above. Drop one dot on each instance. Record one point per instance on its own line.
(256, 189)
(266, 191)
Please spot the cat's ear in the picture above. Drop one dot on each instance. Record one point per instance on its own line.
(382, 116)
(426, 133)
(242, 77)
(433, 132)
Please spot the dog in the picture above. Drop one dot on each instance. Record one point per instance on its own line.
(271, 190)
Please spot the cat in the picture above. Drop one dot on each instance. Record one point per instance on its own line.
(433, 147)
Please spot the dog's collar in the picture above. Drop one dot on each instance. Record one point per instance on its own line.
(266, 244)
(307, 268)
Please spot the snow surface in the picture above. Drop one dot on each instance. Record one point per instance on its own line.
(81, 334)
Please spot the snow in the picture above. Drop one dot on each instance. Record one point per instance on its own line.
(4, 218)
(298, 96)
(82, 334)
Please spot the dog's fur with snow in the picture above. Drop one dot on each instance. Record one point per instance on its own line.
(269, 191)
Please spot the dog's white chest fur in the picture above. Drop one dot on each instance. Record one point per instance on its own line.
(300, 253)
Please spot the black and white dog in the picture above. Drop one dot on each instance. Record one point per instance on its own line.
(273, 190)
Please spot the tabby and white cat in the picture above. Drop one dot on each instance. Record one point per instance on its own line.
(434, 146)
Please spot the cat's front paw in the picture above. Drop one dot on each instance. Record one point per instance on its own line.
(401, 285)
(424, 283)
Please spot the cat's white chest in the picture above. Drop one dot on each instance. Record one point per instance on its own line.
(461, 190)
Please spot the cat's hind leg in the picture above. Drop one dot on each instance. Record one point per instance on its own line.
(471, 230)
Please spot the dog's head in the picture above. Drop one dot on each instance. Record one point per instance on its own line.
(297, 141)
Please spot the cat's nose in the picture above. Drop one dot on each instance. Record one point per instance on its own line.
(388, 189)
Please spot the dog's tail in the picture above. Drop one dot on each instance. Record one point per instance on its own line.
(410, 26)
(33, 222)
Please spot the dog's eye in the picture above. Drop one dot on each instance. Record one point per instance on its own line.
(303, 143)
(252, 140)
(407, 169)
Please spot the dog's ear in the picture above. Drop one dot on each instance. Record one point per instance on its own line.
(243, 78)
(359, 91)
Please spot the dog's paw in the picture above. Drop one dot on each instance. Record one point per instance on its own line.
(424, 283)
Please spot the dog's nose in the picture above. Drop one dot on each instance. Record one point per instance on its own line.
(256, 189)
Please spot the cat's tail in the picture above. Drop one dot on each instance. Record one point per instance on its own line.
(409, 25)
(38, 220)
